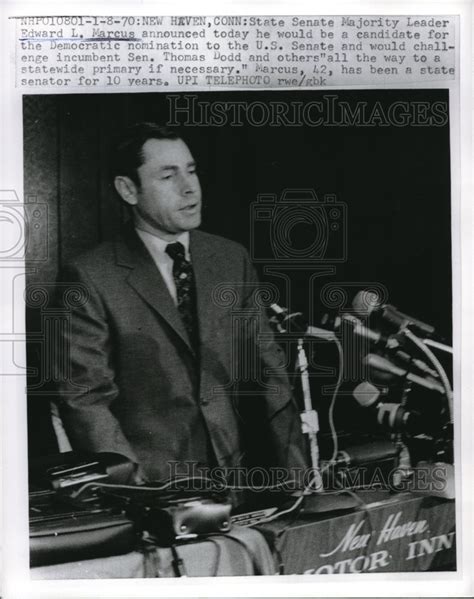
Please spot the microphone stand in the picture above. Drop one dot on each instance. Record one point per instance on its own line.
(309, 419)
(315, 499)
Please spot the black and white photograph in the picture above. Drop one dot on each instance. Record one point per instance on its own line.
(236, 286)
(239, 318)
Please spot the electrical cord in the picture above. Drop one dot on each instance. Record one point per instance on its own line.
(116, 486)
(178, 563)
(437, 345)
(436, 364)
(248, 550)
(295, 505)
(364, 507)
(280, 538)
(332, 426)
(308, 489)
(217, 559)
(307, 492)
(169, 485)
(281, 535)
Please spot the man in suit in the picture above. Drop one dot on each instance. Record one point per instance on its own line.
(166, 315)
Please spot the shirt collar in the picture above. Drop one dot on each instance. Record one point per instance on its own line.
(159, 244)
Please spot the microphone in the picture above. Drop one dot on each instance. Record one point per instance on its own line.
(366, 394)
(296, 320)
(365, 302)
(298, 324)
(362, 331)
(358, 328)
(391, 416)
(419, 364)
(391, 342)
(384, 365)
(401, 320)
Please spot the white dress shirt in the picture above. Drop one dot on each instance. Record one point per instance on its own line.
(157, 248)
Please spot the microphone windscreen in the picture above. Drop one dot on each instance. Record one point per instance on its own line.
(366, 394)
(365, 302)
(381, 363)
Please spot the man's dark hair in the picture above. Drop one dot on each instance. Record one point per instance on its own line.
(128, 154)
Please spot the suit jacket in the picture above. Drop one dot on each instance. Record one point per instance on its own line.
(131, 383)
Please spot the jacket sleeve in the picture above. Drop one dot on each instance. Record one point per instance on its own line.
(281, 414)
(86, 385)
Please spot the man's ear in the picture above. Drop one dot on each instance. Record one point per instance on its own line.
(126, 189)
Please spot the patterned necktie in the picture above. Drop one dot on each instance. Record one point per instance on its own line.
(185, 290)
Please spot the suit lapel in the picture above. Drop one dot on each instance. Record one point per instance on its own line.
(207, 277)
(147, 281)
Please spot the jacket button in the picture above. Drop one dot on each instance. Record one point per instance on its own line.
(203, 401)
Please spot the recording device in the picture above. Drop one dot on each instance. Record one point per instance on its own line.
(400, 320)
(67, 473)
(168, 511)
(63, 528)
(86, 505)
(171, 519)
(296, 323)
(360, 330)
(391, 416)
(386, 366)
(366, 303)
(367, 453)
(391, 349)
(369, 464)
(68, 476)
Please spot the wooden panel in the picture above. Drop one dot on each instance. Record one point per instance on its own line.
(110, 217)
(40, 145)
(79, 176)
(41, 163)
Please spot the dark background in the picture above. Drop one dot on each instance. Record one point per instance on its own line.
(395, 182)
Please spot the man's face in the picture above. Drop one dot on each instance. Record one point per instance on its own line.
(168, 200)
